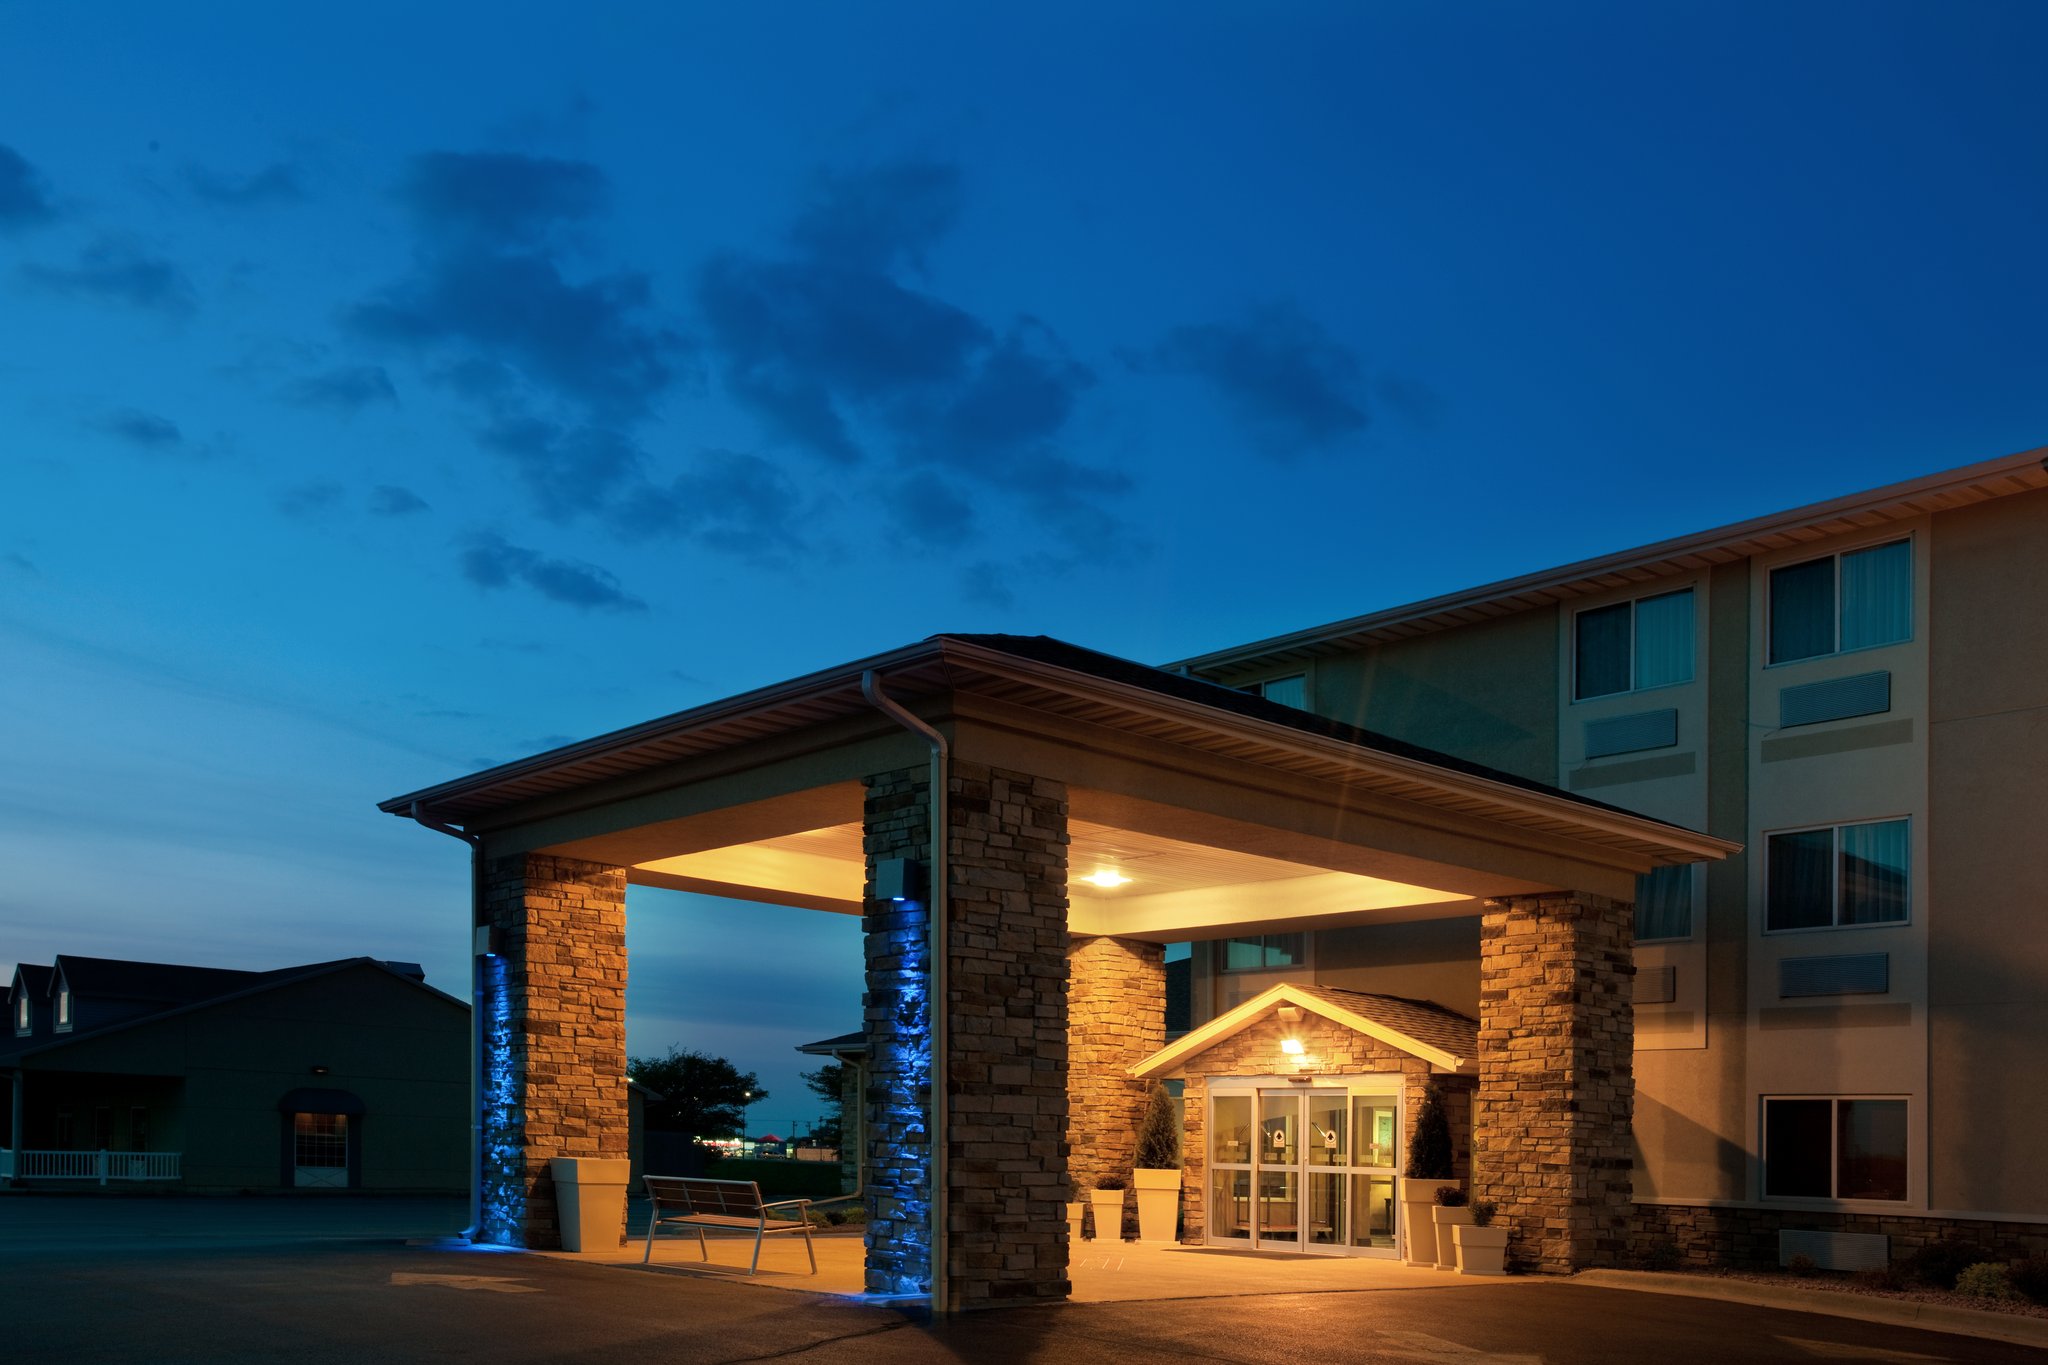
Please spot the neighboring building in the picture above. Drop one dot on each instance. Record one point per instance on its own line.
(1831, 1028)
(349, 1075)
(1799, 760)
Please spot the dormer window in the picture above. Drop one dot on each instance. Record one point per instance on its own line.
(21, 1012)
(64, 1007)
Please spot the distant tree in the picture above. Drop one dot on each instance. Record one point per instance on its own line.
(825, 1083)
(701, 1095)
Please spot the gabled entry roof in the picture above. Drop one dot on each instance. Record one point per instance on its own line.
(1420, 1028)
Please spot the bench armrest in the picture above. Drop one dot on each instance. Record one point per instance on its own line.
(787, 1203)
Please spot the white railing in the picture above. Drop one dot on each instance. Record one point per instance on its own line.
(101, 1166)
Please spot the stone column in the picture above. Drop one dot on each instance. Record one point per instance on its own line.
(553, 997)
(1116, 1005)
(1550, 1125)
(1006, 1078)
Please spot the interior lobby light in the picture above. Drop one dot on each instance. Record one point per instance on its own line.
(1106, 877)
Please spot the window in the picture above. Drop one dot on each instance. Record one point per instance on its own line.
(1264, 952)
(1664, 904)
(1288, 691)
(1632, 646)
(21, 1013)
(64, 1007)
(1841, 602)
(1834, 1149)
(1837, 876)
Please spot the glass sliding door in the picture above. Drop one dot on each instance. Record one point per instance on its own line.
(1305, 1168)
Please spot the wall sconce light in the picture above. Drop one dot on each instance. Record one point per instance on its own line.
(899, 879)
(1291, 1046)
(319, 1071)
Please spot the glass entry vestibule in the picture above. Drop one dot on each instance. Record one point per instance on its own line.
(1305, 1166)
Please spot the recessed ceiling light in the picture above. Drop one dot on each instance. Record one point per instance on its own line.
(1106, 877)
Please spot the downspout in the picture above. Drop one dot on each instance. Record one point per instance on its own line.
(935, 925)
(476, 1013)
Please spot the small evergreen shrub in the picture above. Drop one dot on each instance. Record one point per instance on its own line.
(1986, 1280)
(1661, 1254)
(1482, 1213)
(1113, 1182)
(1451, 1197)
(1881, 1277)
(1801, 1266)
(2030, 1278)
(1159, 1132)
(1939, 1263)
(1429, 1146)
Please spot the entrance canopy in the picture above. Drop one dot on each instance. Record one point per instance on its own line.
(1193, 808)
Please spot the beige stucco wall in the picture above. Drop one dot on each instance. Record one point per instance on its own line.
(1987, 952)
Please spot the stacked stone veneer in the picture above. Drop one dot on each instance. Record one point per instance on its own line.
(1330, 1049)
(1551, 1142)
(1006, 1028)
(1116, 1012)
(1673, 1236)
(554, 1001)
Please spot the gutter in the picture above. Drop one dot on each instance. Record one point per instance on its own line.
(476, 1012)
(936, 915)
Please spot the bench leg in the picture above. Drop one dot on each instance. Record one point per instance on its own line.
(759, 1233)
(809, 1250)
(703, 1245)
(648, 1255)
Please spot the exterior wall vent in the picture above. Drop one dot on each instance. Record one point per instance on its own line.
(1845, 974)
(1631, 734)
(1866, 694)
(1835, 1250)
(1656, 985)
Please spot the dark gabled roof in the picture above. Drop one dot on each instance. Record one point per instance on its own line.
(35, 981)
(250, 983)
(1423, 1020)
(164, 982)
(844, 1044)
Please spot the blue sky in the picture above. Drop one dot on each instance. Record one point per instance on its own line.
(390, 395)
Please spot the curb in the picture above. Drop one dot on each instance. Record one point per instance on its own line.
(1930, 1317)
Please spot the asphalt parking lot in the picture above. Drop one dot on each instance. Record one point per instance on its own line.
(260, 1280)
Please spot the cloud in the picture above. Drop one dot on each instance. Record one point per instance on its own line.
(144, 429)
(387, 500)
(498, 200)
(1293, 386)
(491, 562)
(310, 502)
(569, 470)
(20, 563)
(24, 200)
(346, 388)
(737, 503)
(277, 183)
(116, 273)
(982, 585)
(839, 346)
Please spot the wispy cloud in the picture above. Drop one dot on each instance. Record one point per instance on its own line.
(114, 272)
(20, 563)
(388, 500)
(311, 501)
(492, 562)
(24, 198)
(277, 183)
(731, 501)
(345, 389)
(1292, 386)
(145, 430)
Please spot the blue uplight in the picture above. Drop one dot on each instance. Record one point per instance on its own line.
(899, 1235)
(502, 1170)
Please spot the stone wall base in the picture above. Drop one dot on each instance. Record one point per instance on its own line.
(1687, 1237)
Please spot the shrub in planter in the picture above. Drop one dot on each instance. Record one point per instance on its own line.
(1986, 1280)
(1158, 1172)
(1108, 1206)
(1482, 1212)
(1450, 1197)
(1429, 1146)
(1480, 1247)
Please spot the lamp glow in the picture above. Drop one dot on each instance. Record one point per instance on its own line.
(1291, 1046)
(1106, 878)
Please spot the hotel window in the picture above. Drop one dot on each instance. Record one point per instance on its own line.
(1842, 602)
(1632, 646)
(1816, 1148)
(64, 1008)
(1291, 690)
(1664, 904)
(1838, 876)
(1265, 952)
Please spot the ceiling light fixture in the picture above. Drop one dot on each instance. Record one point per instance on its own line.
(1106, 878)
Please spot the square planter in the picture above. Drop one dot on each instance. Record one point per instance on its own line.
(1418, 1227)
(1077, 1212)
(1481, 1251)
(1109, 1214)
(1158, 1203)
(1448, 1221)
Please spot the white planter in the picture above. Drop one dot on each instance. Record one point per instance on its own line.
(1077, 1212)
(1481, 1251)
(1158, 1203)
(590, 1201)
(1448, 1221)
(1418, 1227)
(1109, 1214)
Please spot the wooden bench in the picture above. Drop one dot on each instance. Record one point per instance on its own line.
(687, 1201)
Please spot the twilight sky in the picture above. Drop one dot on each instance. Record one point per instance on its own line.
(385, 399)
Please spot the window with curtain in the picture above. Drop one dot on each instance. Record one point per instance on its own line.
(1664, 904)
(1837, 876)
(1633, 646)
(1830, 1148)
(1841, 602)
